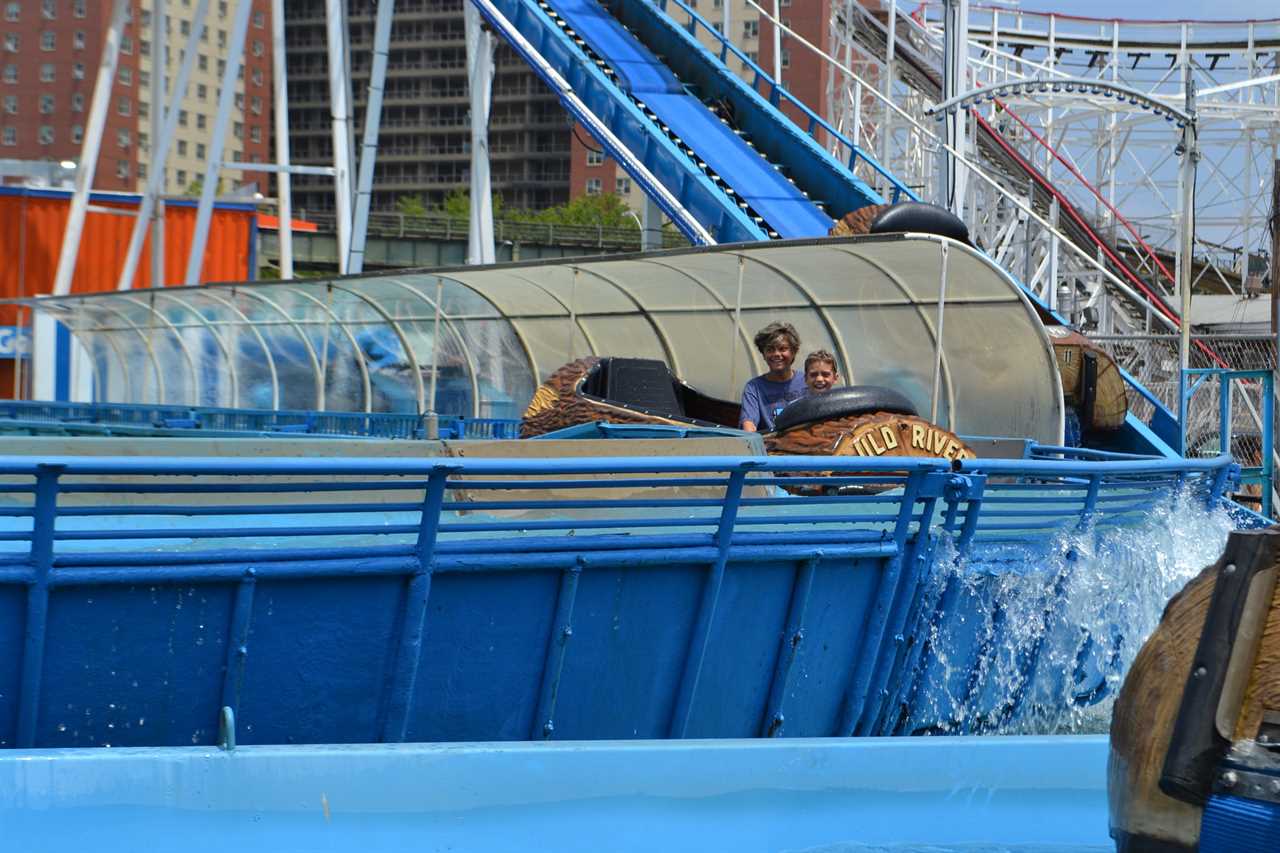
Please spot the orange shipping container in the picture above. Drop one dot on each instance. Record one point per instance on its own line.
(32, 222)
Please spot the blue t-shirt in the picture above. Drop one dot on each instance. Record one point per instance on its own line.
(763, 399)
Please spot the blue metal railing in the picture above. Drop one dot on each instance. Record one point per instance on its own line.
(1262, 474)
(79, 529)
(142, 420)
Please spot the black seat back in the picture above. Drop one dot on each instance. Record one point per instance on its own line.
(637, 383)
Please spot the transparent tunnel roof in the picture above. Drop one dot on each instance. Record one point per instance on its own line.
(481, 338)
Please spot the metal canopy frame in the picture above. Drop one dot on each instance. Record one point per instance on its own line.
(487, 335)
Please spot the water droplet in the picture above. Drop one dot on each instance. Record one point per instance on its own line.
(62, 727)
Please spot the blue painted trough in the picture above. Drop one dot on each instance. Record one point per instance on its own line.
(468, 599)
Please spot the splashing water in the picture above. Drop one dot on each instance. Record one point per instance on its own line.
(1036, 637)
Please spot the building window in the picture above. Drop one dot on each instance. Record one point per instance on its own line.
(124, 107)
(200, 151)
(48, 40)
(257, 77)
(126, 45)
(182, 148)
(259, 20)
(10, 136)
(222, 38)
(12, 11)
(77, 102)
(80, 8)
(49, 8)
(750, 29)
(77, 134)
(77, 71)
(142, 171)
(47, 72)
(122, 138)
(11, 73)
(200, 121)
(239, 101)
(593, 186)
(622, 186)
(46, 134)
(257, 47)
(182, 118)
(144, 47)
(46, 104)
(122, 168)
(12, 42)
(594, 157)
(202, 91)
(255, 104)
(78, 40)
(255, 133)
(143, 141)
(144, 109)
(181, 177)
(786, 57)
(184, 27)
(11, 104)
(126, 76)
(203, 62)
(222, 8)
(239, 130)
(144, 79)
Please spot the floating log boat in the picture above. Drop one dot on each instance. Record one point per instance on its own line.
(1092, 383)
(861, 420)
(1195, 732)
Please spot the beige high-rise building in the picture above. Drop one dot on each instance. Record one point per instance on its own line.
(249, 125)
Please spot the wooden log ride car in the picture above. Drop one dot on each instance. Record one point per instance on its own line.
(1195, 731)
(1091, 380)
(861, 420)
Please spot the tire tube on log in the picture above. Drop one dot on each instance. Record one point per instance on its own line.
(921, 218)
(843, 402)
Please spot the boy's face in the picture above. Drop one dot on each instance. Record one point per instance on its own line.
(779, 355)
(820, 377)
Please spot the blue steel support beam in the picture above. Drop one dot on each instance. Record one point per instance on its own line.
(238, 641)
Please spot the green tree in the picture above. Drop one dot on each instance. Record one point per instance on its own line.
(411, 205)
(457, 205)
(607, 210)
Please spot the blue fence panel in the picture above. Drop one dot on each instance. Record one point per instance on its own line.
(346, 601)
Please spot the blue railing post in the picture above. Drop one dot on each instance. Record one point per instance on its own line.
(238, 641)
(1224, 412)
(802, 585)
(413, 623)
(701, 633)
(544, 724)
(44, 522)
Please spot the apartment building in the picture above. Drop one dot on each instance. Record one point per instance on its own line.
(50, 51)
(49, 55)
(249, 128)
(424, 145)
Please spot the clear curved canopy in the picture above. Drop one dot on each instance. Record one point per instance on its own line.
(476, 341)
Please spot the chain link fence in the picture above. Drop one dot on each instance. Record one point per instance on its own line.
(1153, 361)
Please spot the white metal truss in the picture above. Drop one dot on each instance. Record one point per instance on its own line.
(1112, 162)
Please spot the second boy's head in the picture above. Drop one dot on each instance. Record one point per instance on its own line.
(779, 344)
(820, 372)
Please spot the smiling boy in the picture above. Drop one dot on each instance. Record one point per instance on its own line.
(766, 395)
(820, 372)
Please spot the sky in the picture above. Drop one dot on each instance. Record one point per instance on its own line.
(1157, 9)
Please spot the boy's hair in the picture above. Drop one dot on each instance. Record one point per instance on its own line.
(821, 355)
(766, 336)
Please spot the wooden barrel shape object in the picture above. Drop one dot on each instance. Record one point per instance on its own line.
(856, 421)
(1091, 381)
(1199, 711)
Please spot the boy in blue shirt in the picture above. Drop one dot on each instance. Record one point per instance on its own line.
(768, 394)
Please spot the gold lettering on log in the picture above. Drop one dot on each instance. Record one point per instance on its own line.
(890, 439)
(918, 433)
